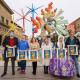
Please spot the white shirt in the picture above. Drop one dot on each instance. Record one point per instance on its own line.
(46, 47)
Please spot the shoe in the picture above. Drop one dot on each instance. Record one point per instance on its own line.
(23, 71)
(13, 73)
(34, 73)
(44, 72)
(3, 74)
(78, 75)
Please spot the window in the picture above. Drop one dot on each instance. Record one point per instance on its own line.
(2, 19)
(6, 22)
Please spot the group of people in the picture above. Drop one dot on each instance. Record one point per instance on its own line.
(22, 44)
(34, 44)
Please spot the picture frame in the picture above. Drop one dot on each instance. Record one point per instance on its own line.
(40, 54)
(22, 55)
(27, 54)
(61, 53)
(79, 60)
(1, 55)
(72, 50)
(47, 54)
(54, 53)
(33, 55)
(10, 52)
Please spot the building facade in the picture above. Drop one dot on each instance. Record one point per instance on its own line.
(75, 25)
(18, 30)
(5, 16)
(6, 19)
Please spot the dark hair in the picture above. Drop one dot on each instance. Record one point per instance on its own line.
(48, 36)
(32, 39)
(45, 38)
(54, 38)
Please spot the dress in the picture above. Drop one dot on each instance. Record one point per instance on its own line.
(60, 66)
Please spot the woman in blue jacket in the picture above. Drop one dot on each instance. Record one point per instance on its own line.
(23, 45)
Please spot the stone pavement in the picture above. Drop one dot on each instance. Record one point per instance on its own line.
(28, 76)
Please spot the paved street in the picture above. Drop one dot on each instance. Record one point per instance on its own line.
(28, 76)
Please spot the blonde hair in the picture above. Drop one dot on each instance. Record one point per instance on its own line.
(58, 43)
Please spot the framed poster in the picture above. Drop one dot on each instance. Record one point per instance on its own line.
(33, 55)
(1, 53)
(27, 54)
(22, 54)
(79, 60)
(54, 53)
(1, 58)
(40, 54)
(61, 53)
(10, 52)
(47, 54)
(72, 50)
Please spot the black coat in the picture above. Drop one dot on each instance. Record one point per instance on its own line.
(76, 41)
(6, 42)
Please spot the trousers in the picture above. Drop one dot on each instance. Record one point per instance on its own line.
(6, 65)
(34, 65)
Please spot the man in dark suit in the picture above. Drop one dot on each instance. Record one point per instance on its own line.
(9, 41)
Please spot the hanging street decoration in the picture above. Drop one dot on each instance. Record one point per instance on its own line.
(33, 11)
(23, 18)
(52, 21)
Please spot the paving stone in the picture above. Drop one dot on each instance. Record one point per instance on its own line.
(29, 76)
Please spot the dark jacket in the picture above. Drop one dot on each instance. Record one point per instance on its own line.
(76, 42)
(6, 42)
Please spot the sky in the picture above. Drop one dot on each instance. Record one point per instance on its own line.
(70, 8)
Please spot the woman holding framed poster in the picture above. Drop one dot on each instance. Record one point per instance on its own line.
(62, 65)
(46, 47)
(61, 48)
(22, 46)
(72, 40)
(34, 46)
(33, 55)
(59, 59)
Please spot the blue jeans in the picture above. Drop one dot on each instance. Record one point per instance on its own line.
(22, 64)
(75, 58)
